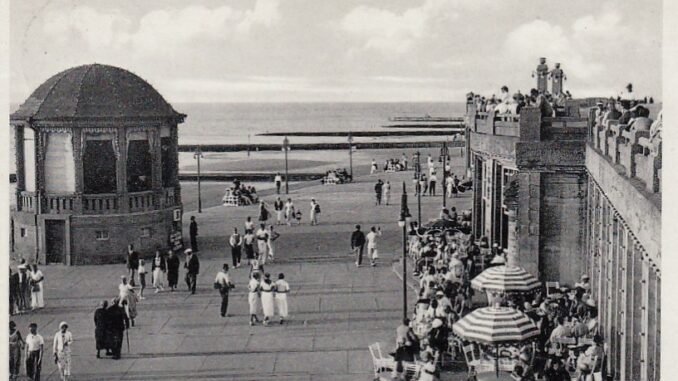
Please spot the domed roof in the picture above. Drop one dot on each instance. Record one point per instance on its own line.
(95, 92)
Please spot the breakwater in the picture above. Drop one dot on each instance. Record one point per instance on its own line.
(314, 146)
(247, 176)
(365, 133)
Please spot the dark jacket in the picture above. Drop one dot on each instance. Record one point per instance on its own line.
(193, 229)
(357, 238)
(163, 263)
(133, 260)
(117, 320)
(14, 287)
(378, 186)
(193, 265)
(173, 264)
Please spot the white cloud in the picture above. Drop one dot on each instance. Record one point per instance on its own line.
(99, 30)
(393, 32)
(265, 12)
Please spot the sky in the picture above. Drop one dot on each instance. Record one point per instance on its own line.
(348, 50)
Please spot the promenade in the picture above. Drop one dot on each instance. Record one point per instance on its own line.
(336, 309)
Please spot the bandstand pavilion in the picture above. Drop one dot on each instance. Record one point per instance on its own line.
(96, 168)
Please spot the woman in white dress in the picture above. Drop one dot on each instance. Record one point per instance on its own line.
(315, 210)
(63, 340)
(159, 268)
(289, 211)
(281, 290)
(262, 243)
(37, 280)
(253, 297)
(267, 298)
(272, 236)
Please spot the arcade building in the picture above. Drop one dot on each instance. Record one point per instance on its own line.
(96, 168)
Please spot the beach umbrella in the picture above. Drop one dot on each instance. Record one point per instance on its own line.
(496, 326)
(505, 279)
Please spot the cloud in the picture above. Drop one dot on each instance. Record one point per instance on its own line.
(392, 32)
(99, 30)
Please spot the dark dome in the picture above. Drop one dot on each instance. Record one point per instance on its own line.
(95, 92)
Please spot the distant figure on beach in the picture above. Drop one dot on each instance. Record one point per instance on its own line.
(193, 233)
(315, 211)
(263, 212)
(387, 192)
(374, 167)
(278, 206)
(403, 159)
(377, 191)
(278, 182)
(235, 242)
(357, 245)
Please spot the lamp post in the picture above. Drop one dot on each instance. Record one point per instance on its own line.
(198, 155)
(248, 145)
(286, 147)
(350, 153)
(417, 175)
(403, 222)
(444, 154)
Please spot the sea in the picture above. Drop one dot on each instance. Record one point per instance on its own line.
(241, 123)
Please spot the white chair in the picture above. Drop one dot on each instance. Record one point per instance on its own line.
(411, 370)
(380, 362)
(231, 200)
(470, 356)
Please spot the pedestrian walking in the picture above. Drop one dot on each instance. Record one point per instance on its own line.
(130, 304)
(267, 298)
(432, 184)
(16, 345)
(193, 233)
(282, 288)
(235, 242)
(248, 244)
(35, 346)
(278, 182)
(253, 297)
(278, 205)
(262, 243)
(132, 263)
(159, 270)
(387, 192)
(63, 341)
(455, 189)
(117, 322)
(173, 264)
(223, 283)
(289, 212)
(272, 236)
(124, 288)
(249, 224)
(357, 245)
(263, 212)
(100, 324)
(372, 244)
(37, 281)
(142, 278)
(373, 167)
(403, 160)
(192, 266)
(423, 184)
(377, 191)
(315, 211)
(14, 292)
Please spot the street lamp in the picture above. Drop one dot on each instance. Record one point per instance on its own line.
(286, 147)
(350, 153)
(444, 155)
(198, 155)
(403, 222)
(417, 176)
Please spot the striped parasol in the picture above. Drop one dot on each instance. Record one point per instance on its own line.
(496, 326)
(510, 279)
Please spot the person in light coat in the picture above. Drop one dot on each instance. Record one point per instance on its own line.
(282, 288)
(253, 297)
(267, 288)
(63, 340)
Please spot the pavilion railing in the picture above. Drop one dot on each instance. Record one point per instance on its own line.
(105, 203)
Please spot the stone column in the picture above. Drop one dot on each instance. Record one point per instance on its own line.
(175, 157)
(19, 164)
(156, 164)
(76, 141)
(121, 171)
(40, 147)
(528, 221)
(511, 201)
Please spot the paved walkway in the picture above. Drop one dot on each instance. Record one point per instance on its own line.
(336, 309)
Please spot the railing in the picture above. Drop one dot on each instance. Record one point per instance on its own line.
(632, 150)
(142, 201)
(168, 197)
(106, 203)
(59, 203)
(27, 201)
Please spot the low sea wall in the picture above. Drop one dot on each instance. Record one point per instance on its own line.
(314, 146)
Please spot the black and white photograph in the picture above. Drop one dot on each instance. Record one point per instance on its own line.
(354, 190)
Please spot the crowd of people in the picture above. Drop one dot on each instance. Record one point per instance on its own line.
(445, 261)
(32, 348)
(507, 104)
(245, 195)
(337, 176)
(26, 287)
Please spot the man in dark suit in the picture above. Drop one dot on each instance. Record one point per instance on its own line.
(13, 292)
(358, 244)
(116, 324)
(132, 263)
(193, 232)
(24, 288)
(192, 266)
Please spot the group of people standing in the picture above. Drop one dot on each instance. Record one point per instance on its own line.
(26, 288)
(271, 295)
(33, 348)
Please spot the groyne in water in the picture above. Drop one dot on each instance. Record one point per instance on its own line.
(356, 134)
(314, 146)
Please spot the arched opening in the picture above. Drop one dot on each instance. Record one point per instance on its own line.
(139, 166)
(99, 167)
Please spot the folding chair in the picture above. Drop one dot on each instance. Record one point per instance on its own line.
(379, 362)
(470, 356)
(231, 201)
(411, 370)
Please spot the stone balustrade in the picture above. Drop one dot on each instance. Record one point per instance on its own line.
(27, 202)
(59, 203)
(632, 151)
